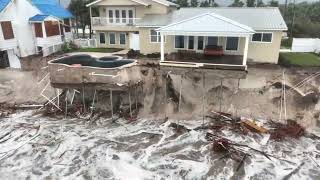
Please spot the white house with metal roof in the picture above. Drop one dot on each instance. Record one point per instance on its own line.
(18, 35)
(193, 36)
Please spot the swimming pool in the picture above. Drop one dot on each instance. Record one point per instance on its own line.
(87, 60)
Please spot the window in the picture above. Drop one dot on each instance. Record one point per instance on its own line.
(257, 37)
(124, 16)
(232, 43)
(122, 38)
(7, 30)
(212, 41)
(130, 16)
(110, 16)
(267, 37)
(262, 37)
(200, 42)
(117, 16)
(112, 38)
(102, 38)
(155, 36)
(179, 42)
(191, 42)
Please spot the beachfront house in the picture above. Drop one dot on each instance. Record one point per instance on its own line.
(190, 36)
(30, 27)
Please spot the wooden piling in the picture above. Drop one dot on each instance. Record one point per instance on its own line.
(180, 94)
(220, 98)
(203, 98)
(111, 104)
(83, 99)
(130, 103)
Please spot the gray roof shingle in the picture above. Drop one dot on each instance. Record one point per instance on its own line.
(266, 18)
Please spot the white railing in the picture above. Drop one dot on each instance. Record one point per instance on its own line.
(102, 21)
(86, 43)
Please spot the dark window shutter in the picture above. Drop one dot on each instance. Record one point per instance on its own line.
(38, 29)
(52, 28)
(7, 30)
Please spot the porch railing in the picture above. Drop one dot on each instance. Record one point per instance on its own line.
(102, 21)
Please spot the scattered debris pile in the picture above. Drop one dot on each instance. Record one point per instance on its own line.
(6, 110)
(291, 129)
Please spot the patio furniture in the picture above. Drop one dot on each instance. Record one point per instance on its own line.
(213, 50)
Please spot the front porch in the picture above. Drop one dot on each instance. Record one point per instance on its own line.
(208, 41)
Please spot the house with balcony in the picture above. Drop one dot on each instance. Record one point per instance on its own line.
(22, 22)
(226, 37)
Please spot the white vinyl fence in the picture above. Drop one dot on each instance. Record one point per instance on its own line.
(305, 45)
(86, 43)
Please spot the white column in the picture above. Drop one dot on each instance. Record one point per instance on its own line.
(162, 47)
(44, 33)
(245, 52)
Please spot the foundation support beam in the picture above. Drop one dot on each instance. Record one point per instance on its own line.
(130, 103)
(246, 48)
(220, 98)
(203, 98)
(111, 104)
(180, 94)
(162, 47)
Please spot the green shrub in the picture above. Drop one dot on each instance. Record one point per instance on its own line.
(286, 43)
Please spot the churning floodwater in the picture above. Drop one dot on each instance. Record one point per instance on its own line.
(35, 147)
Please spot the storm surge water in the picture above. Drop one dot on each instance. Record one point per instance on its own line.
(35, 147)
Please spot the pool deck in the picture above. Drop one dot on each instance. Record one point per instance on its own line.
(99, 54)
(65, 76)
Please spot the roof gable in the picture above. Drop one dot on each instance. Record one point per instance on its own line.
(51, 7)
(4, 4)
(208, 23)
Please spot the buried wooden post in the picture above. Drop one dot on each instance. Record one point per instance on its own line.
(203, 96)
(136, 97)
(130, 102)
(180, 94)
(220, 98)
(92, 105)
(83, 99)
(58, 98)
(66, 110)
(165, 98)
(111, 104)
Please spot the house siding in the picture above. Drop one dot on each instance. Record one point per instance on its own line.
(148, 47)
(266, 52)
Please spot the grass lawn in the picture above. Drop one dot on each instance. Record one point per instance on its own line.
(299, 59)
(102, 50)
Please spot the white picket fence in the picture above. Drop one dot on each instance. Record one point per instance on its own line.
(86, 43)
(305, 45)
